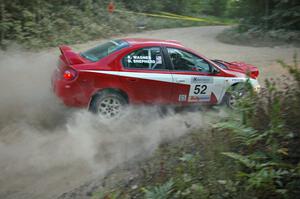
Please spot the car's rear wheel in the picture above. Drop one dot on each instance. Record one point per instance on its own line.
(108, 104)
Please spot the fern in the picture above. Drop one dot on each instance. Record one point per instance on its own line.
(241, 134)
(160, 192)
(270, 154)
(244, 160)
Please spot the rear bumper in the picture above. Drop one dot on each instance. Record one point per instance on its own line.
(69, 92)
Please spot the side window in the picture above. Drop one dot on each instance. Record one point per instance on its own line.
(185, 61)
(145, 58)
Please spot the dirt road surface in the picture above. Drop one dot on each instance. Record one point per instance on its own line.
(47, 149)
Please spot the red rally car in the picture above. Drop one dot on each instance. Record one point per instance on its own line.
(145, 71)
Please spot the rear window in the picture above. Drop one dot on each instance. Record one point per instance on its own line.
(103, 50)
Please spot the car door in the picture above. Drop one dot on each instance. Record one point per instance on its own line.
(147, 78)
(195, 79)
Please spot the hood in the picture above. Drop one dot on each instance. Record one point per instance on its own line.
(236, 74)
(240, 67)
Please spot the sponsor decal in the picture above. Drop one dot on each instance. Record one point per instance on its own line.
(182, 98)
(206, 80)
(237, 80)
(199, 98)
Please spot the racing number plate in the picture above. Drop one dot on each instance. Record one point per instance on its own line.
(200, 89)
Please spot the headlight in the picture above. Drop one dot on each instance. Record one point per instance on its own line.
(257, 88)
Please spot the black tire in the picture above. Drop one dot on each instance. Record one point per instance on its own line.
(234, 94)
(108, 104)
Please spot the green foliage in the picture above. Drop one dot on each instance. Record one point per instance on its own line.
(214, 7)
(191, 169)
(266, 142)
(242, 159)
(190, 7)
(160, 192)
(37, 23)
(185, 180)
(266, 14)
(293, 69)
(263, 23)
(111, 195)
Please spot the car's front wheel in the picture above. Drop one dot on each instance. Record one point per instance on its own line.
(234, 94)
(108, 104)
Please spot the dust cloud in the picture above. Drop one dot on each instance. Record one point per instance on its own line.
(47, 148)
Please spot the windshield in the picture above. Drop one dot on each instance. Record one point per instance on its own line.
(103, 50)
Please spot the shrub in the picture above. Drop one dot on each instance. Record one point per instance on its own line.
(267, 138)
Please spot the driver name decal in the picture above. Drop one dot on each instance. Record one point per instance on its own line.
(140, 59)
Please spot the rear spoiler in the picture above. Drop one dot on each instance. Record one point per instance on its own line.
(69, 56)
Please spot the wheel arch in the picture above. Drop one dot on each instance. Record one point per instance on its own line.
(234, 84)
(113, 90)
(227, 91)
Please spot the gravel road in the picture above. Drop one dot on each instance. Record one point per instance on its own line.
(46, 150)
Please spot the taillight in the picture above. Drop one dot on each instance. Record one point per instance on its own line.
(69, 74)
(254, 74)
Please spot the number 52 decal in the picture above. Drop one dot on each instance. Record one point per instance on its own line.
(200, 89)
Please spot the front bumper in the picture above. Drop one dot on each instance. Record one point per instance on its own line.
(257, 89)
(255, 85)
